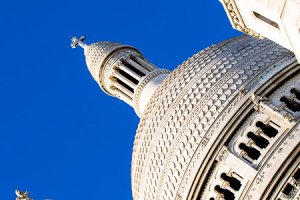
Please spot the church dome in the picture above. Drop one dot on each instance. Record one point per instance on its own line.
(205, 134)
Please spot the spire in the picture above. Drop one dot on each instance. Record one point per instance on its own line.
(78, 41)
(122, 71)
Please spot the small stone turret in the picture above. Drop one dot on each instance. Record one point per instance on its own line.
(122, 71)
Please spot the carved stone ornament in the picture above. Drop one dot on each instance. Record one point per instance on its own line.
(236, 19)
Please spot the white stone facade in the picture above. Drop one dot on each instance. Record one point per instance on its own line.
(223, 125)
(277, 20)
(206, 135)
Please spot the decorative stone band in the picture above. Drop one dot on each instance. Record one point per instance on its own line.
(236, 19)
(142, 85)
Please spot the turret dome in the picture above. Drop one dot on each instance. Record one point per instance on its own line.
(122, 71)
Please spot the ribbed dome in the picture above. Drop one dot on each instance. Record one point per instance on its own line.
(185, 116)
(96, 55)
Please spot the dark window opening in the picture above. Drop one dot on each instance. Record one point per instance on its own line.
(227, 195)
(128, 77)
(233, 182)
(288, 189)
(296, 93)
(292, 105)
(297, 175)
(259, 140)
(266, 20)
(251, 152)
(267, 129)
(132, 68)
(125, 85)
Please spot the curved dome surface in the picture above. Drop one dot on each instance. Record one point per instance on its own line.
(184, 122)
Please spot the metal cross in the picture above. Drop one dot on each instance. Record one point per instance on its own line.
(78, 41)
(22, 195)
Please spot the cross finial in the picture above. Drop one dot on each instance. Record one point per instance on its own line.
(78, 41)
(22, 195)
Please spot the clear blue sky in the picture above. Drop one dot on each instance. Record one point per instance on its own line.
(61, 136)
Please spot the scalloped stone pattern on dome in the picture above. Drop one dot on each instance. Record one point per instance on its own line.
(180, 123)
